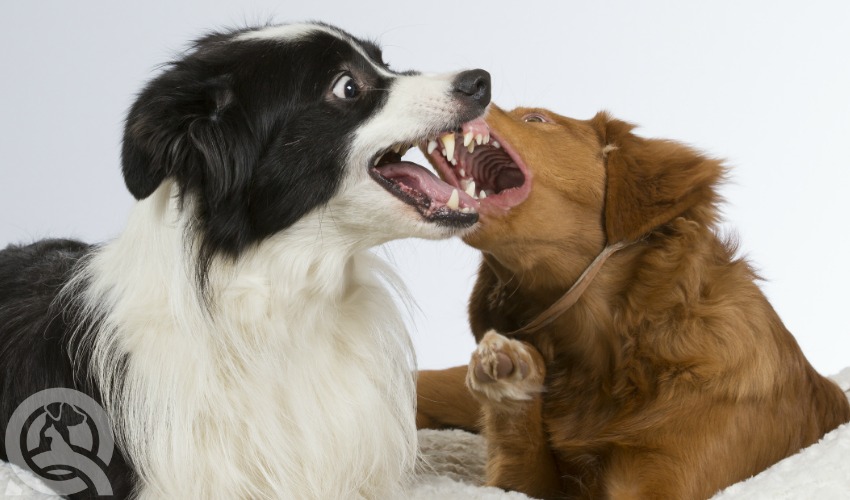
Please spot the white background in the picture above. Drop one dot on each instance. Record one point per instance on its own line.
(764, 84)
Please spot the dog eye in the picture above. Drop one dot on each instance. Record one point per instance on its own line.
(534, 118)
(345, 87)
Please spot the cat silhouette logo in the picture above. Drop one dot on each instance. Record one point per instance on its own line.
(64, 437)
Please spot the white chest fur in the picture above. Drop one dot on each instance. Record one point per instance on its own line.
(294, 382)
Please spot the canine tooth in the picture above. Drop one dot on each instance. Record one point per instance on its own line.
(378, 159)
(467, 138)
(482, 195)
(470, 188)
(432, 145)
(397, 148)
(454, 200)
(495, 144)
(449, 143)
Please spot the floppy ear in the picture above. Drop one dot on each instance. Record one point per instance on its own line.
(652, 181)
(172, 130)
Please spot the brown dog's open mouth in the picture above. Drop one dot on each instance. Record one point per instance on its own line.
(485, 169)
(413, 184)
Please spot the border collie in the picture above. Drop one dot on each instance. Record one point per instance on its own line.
(239, 333)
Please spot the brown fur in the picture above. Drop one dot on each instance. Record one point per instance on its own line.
(672, 377)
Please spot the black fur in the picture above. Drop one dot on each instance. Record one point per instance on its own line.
(248, 129)
(35, 336)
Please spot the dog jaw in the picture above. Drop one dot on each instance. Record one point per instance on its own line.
(566, 189)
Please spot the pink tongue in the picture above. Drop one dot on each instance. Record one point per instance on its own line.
(417, 181)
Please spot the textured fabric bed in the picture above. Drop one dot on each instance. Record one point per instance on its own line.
(452, 468)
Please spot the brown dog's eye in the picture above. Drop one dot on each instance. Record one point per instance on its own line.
(534, 118)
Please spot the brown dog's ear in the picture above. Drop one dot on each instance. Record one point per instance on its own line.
(652, 181)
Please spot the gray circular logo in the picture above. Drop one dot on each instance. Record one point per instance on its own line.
(64, 437)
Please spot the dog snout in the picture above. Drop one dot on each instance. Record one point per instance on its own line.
(473, 87)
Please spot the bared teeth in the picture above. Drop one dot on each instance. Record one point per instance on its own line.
(448, 141)
(432, 145)
(482, 195)
(470, 189)
(479, 139)
(401, 149)
(467, 138)
(462, 172)
(495, 144)
(454, 200)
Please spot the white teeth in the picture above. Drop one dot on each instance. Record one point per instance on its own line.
(377, 159)
(470, 188)
(466, 210)
(479, 139)
(486, 137)
(454, 200)
(399, 149)
(471, 147)
(482, 195)
(448, 141)
(462, 172)
(495, 144)
(467, 138)
(432, 145)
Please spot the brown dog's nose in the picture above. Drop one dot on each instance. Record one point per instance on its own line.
(473, 87)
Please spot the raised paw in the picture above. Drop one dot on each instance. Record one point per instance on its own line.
(504, 371)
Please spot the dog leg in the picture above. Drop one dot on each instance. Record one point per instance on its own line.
(444, 402)
(506, 376)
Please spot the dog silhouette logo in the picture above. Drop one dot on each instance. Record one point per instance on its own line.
(64, 437)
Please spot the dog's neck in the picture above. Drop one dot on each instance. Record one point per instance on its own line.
(573, 294)
(297, 328)
(516, 297)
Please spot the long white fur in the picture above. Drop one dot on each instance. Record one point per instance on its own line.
(296, 384)
(298, 381)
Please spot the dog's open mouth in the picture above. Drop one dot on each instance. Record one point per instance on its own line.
(489, 174)
(413, 184)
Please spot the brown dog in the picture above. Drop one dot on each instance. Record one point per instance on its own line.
(671, 376)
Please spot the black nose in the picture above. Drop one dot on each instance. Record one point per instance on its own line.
(473, 85)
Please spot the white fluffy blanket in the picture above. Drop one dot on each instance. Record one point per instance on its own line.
(452, 468)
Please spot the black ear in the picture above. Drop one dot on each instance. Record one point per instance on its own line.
(170, 116)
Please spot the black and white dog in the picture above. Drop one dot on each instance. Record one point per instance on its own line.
(238, 332)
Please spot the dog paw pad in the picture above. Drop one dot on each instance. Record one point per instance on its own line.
(502, 368)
